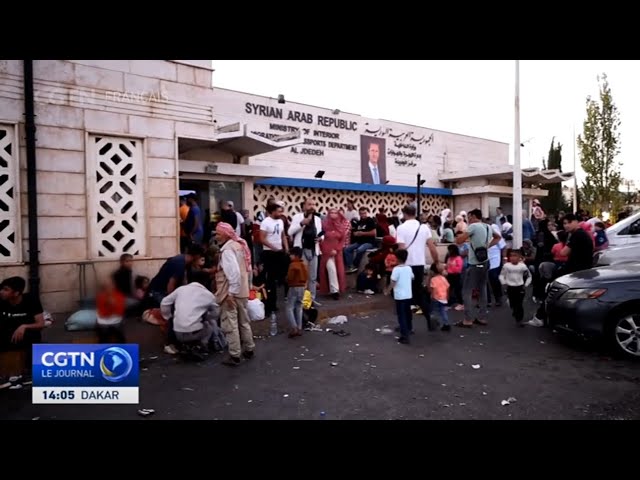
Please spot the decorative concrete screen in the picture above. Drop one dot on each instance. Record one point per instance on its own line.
(115, 185)
(9, 197)
(325, 199)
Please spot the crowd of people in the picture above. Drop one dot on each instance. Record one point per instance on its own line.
(199, 298)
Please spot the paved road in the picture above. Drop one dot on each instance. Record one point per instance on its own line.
(376, 378)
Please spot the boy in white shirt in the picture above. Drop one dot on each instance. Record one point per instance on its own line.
(516, 277)
(401, 282)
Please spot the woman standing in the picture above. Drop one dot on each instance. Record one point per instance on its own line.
(332, 275)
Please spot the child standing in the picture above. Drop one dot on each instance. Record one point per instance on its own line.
(455, 265)
(439, 287)
(297, 279)
(390, 263)
(516, 277)
(401, 280)
(110, 307)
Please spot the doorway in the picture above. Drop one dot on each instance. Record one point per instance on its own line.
(211, 195)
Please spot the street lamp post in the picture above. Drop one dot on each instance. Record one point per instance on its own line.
(517, 171)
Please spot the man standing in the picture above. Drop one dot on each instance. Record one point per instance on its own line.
(184, 212)
(579, 246)
(232, 293)
(372, 172)
(499, 216)
(364, 234)
(304, 229)
(193, 222)
(21, 318)
(481, 238)
(414, 237)
(275, 248)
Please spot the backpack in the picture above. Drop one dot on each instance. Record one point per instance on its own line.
(482, 253)
(309, 234)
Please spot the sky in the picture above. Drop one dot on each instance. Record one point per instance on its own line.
(471, 97)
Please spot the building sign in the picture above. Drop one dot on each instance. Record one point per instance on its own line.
(342, 141)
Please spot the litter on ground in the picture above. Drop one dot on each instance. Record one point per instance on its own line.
(334, 364)
(286, 395)
(339, 320)
(475, 367)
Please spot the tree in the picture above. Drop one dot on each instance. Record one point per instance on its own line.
(555, 201)
(598, 146)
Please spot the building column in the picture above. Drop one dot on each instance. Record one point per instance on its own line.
(484, 205)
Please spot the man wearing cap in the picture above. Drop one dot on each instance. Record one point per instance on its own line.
(232, 293)
(21, 318)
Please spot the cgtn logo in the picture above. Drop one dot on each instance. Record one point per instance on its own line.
(102, 373)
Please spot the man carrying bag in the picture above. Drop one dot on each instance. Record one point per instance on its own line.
(481, 237)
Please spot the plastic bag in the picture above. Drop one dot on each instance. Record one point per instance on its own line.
(256, 310)
(307, 301)
(82, 320)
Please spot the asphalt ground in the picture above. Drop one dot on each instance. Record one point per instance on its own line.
(368, 375)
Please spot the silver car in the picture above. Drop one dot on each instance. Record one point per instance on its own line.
(617, 254)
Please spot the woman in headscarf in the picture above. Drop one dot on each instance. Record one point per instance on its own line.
(382, 223)
(332, 274)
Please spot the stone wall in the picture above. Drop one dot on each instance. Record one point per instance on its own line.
(107, 164)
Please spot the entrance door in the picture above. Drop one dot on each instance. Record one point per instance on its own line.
(211, 195)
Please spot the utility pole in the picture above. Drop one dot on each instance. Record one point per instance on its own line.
(418, 199)
(517, 170)
(575, 178)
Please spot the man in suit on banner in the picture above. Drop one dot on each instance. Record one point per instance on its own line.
(373, 165)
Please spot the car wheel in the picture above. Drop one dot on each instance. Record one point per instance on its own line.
(624, 334)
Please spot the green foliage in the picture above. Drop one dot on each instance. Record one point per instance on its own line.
(598, 147)
(555, 201)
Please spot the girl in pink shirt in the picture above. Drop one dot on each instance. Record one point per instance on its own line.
(455, 265)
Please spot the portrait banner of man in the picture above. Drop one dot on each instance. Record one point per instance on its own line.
(373, 164)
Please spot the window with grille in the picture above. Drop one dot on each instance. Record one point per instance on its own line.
(115, 186)
(9, 196)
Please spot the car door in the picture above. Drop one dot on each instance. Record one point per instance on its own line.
(629, 235)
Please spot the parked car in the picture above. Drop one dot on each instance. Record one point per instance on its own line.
(625, 232)
(616, 255)
(603, 302)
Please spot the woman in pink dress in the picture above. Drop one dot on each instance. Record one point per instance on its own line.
(332, 276)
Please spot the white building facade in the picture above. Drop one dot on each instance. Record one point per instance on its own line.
(117, 140)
